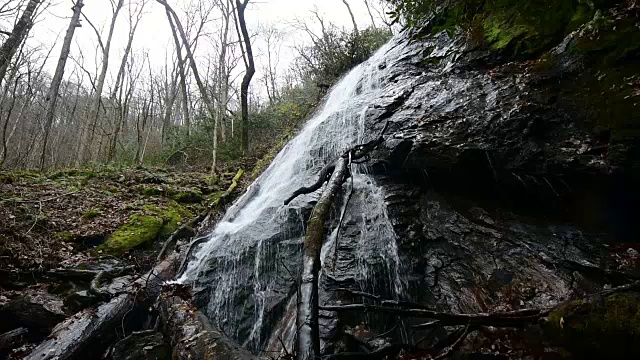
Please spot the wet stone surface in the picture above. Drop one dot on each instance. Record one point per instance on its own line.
(489, 194)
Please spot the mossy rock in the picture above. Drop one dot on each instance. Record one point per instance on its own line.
(150, 190)
(186, 195)
(172, 217)
(139, 230)
(87, 174)
(602, 328)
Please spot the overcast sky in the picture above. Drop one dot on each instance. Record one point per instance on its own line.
(154, 34)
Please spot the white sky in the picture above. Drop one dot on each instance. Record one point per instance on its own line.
(155, 36)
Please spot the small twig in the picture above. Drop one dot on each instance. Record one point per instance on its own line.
(427, 325)
(185, 261)
(48, 199)
(390, 330)
(453, 346)
(359, 293)
(36, 221)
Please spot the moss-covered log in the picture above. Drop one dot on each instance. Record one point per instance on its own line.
(602, 326)
(308, 341)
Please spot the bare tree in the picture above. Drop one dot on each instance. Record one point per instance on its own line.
(241, 6)
(273, 40)
(17, 36)
(222, 76)
(88, 133)
(52, 97)
(203, 91)
(373, 22)
(135, 15)
(182, 73)
(353, 19)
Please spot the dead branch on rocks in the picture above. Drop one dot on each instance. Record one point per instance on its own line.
(471, 322)
(90, 330)
(308, 345)
(500, 319)
(336, 173)
(354, 154)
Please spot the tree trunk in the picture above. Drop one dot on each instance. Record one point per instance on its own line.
(57, 77)
(308, 341)
(353, 19)
(88, 133)
(203, 90)
(183, 76)
(223, 81)
(7, 119)
(246, 80)
(20, 31)
(373, 22)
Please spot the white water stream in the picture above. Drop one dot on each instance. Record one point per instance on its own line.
(239, 251)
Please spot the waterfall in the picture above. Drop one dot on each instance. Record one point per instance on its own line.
(246, 271)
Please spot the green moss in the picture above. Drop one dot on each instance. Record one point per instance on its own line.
(150, 190)
(526, 26)
(186, 196)
(86, 173)
(7, 178)
(614, 38)
(91, 214)
(140, 229)
(172, 217)
(604, 328)
(64, 236)
(264, 162)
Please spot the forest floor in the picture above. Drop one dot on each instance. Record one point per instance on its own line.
(56, 226)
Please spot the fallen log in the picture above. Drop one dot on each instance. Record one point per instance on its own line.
(308, 340)
(12, 339)
(87, 334)
(189, 331)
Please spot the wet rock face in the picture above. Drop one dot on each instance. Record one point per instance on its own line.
(490, 193)
(500, 197)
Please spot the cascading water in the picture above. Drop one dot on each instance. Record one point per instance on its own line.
(246, 271)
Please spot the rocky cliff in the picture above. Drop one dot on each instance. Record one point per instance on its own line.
(502, 185)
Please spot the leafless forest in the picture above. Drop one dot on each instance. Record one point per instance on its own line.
(200, 105)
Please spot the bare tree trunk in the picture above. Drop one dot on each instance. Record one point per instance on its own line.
(251, 69)
(127, 50)
(223, 81)
(183, 76)
(373, 22)
(6, 122)
(203, 90)
(353, 19)
(57, 77)
(20, 31)
(88, 133)
(169, 99)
